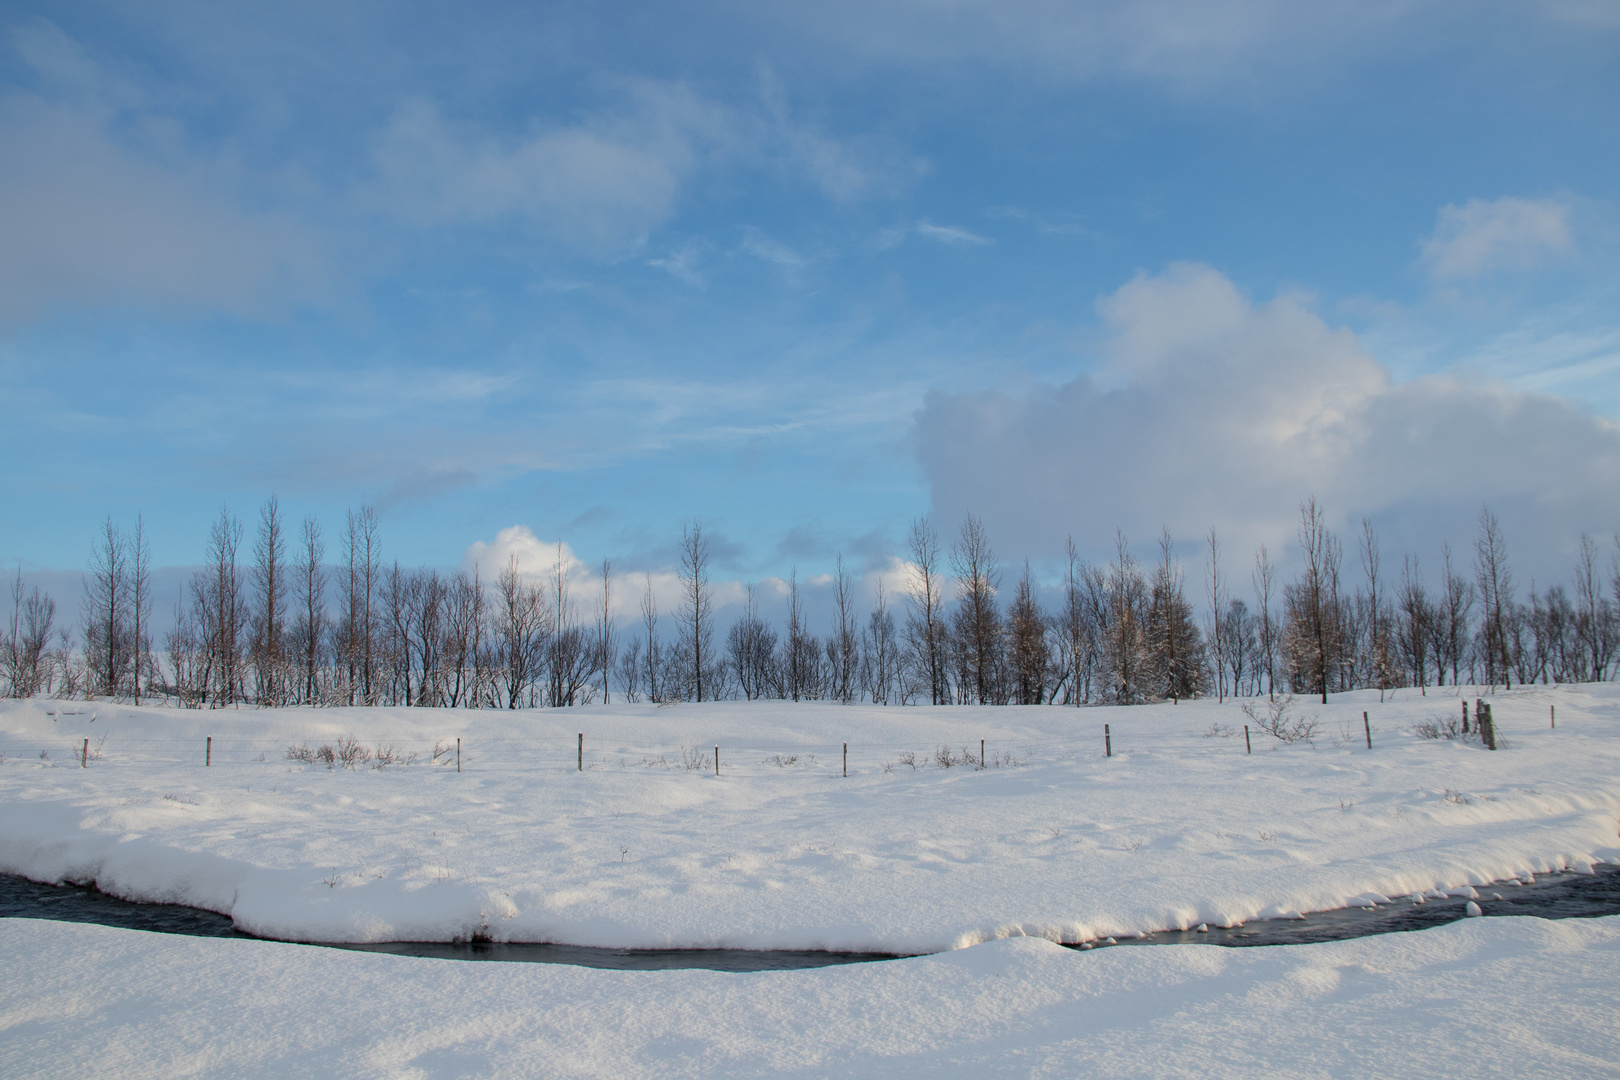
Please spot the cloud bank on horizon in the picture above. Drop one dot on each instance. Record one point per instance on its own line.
(1216, 410)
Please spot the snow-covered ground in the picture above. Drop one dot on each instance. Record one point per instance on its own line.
(1478, 998)
(1179, 827)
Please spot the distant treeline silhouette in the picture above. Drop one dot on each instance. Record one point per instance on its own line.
(276, 627)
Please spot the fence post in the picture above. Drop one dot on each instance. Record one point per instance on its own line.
(981, 754)
(1465, 716)
(717, 761)
(84, 755)
(582, 751)
(458, 753)
(208, 753)
(1487, 727)
(1108, 742)
(1365, 723)
(1248, 747)
(1552, 714)
(846, 759)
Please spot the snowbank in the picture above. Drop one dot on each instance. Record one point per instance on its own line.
(1483, 997)
(1179, 827)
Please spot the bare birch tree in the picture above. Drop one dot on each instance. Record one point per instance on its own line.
(926, 626)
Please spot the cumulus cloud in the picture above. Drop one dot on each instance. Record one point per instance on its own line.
(519, 546)
(1482, 236)
(1217, 410)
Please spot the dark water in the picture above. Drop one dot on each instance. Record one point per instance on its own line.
(24, 899)
(1550, 896)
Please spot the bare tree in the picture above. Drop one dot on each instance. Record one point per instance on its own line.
(1591, 616)
(1077, 626)
(1026, 632)
(27, 646)
(882, 652)
(1380, 663)
(140, 607)
(464, 639)
(1216, 583)
(229, 615)
(1414, 633)
(801, 663)
(1495, 580)
(269, 602)
(1451, 623)
(654, 663)
(751, 648)
(978, 622)
(1124, 632)
(359, 586)
(1238, 626)
(843, 647)
(519, 628)
(926, 626)
(571, 654)
(1314, 621)
(696, 612)
(1265, 580)
(310, 628)
(605, 643)
(106, 610)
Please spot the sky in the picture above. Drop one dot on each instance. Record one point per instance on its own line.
(516, 274)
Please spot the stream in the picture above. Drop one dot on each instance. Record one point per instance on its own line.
(1547, 896)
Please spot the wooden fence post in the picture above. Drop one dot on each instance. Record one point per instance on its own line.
(846, 759)
(1108, 742)
(208, 753)
(717, 761)
(1487, 727)
(582, 751)
(458, 753)
(1465, 717)
(1367, 724)
(1552, 715)
(1248, 747)
(981, 754)
(84, 755)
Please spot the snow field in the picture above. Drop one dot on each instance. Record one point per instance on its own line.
(1179, 827)
(1481, 998)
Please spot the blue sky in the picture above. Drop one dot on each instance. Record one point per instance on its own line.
(803, 274)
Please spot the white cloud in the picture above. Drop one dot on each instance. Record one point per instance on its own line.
(92, 217)
(1228, 412)
(600, 184)
(950, 234)
(1507, 233)
(535, 558)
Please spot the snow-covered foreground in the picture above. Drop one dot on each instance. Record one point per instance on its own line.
(781, 850)
(1483, 997)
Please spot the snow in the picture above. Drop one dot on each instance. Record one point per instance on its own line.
(1503, 997)
(780, 850)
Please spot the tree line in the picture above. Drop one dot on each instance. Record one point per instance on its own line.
(276, 624)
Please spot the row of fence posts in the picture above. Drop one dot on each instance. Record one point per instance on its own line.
(1482, 723)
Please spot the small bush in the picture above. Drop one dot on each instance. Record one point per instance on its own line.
(1438, 727)
(1273, 719)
